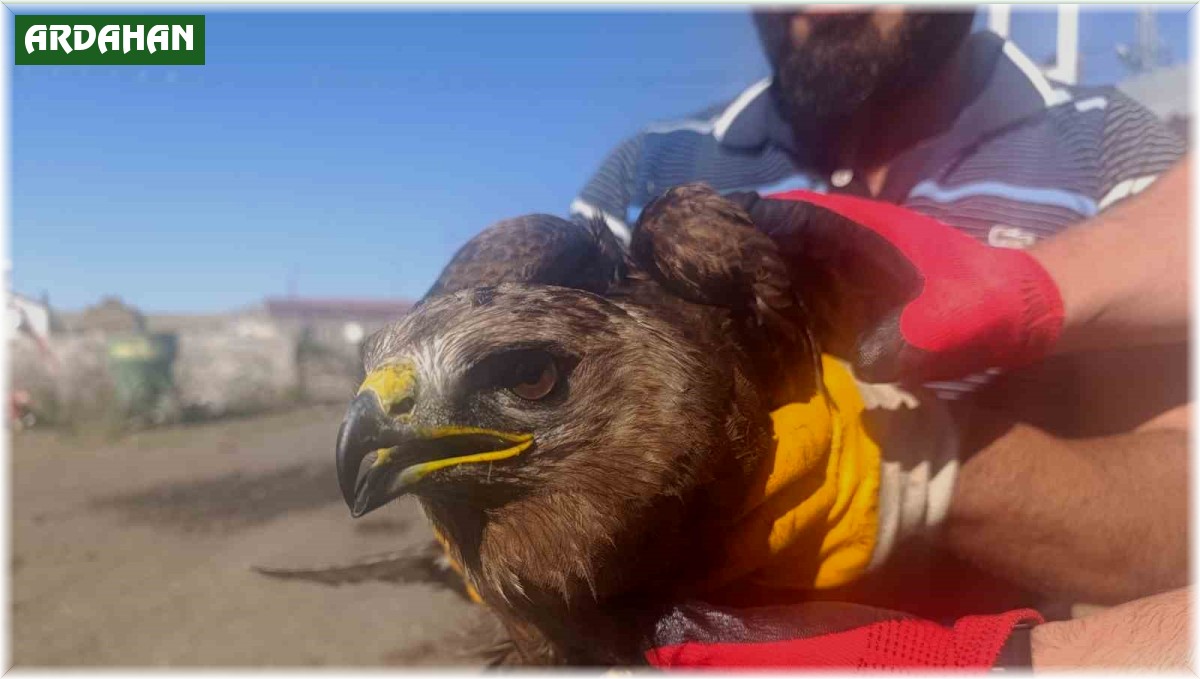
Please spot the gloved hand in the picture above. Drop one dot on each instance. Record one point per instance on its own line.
(903, 296)
(832, 636)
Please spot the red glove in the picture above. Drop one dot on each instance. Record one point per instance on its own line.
(904, 296)
(832, 636)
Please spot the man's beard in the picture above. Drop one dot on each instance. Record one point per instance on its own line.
(845, 63)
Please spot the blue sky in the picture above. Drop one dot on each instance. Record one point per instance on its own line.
(350, 154)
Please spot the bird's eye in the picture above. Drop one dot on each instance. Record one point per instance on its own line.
(533, 377)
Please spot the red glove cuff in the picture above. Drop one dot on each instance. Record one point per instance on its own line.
(973, 642)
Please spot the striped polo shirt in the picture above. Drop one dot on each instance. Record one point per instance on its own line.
(1025, 158)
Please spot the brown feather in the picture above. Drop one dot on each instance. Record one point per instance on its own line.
(671, 361)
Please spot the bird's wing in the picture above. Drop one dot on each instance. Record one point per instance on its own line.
(536, 248)
(426, 563)
(846, 275)
(706, 250)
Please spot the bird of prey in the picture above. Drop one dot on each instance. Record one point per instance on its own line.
(579, 421)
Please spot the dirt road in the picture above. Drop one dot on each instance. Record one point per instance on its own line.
(140, 552)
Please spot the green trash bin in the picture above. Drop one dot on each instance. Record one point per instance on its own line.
(140, 366)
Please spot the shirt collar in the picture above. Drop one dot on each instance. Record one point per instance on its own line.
(748, 121)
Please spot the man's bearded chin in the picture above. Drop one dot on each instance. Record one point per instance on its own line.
(845, 62)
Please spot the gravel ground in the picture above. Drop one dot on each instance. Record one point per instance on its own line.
(141, 552)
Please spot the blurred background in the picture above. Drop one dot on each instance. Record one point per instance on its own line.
(198, 252)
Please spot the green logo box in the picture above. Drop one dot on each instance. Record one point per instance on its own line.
(109, 40)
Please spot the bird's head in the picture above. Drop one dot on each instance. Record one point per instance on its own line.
(549, 432)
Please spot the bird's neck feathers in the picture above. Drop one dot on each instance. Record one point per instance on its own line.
(560, 547)
(552, 565)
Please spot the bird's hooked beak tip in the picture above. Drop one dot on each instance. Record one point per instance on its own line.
(379, 426)
(375, 422)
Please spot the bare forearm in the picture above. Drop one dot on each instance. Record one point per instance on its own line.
(1150, 633)
(1102, 520)
(1123, 276)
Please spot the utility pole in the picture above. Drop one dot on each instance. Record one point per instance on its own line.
(1146, 50)
(1147, 34)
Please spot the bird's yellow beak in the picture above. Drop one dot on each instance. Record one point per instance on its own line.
(381, 425)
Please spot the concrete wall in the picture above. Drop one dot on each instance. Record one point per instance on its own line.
(75, 387)
(221, 373)
(235, 369)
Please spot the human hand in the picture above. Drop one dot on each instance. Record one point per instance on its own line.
(1149, 633)
(904, 296)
